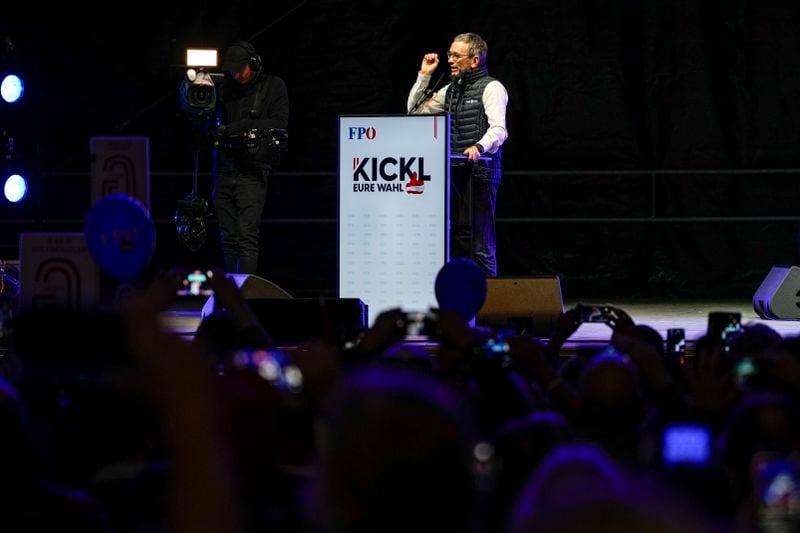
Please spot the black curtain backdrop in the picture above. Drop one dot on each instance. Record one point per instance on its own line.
(594, 85)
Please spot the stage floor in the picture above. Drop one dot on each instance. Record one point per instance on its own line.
(691, 315)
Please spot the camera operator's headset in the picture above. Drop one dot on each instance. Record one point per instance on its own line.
(254, 60)
(255, 65)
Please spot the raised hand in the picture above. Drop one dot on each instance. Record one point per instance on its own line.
(429, 63)
(711, 391)
(618, 318)
(203, 497)
(388, 329)
(529, 356)
(567, 324)
(228, 296)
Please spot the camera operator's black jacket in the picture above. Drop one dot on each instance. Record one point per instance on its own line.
(262, 104)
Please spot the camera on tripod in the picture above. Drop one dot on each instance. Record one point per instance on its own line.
(198, 92)
(190, 221)
(198, 100)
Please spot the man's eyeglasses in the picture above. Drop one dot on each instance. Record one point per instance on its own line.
(453, 55)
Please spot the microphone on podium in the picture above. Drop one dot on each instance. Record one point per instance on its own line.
(428, 92)
(433, 88)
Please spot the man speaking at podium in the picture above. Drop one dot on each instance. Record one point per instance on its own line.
(477, 104)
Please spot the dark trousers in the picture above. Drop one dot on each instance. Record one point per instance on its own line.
(239, 197)
(473, 194)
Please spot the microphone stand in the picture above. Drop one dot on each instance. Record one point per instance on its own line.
(427, 93)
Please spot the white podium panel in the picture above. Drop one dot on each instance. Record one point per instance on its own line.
(394, 177)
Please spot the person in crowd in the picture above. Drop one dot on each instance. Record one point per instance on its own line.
(395, 455)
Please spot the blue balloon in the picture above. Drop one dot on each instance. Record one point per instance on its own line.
(461, 287)
(120, 235)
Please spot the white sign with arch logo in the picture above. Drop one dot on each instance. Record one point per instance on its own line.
(57, 271)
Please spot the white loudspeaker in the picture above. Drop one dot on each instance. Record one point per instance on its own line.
(778, 297)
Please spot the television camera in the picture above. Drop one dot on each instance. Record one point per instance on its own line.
(198, 100)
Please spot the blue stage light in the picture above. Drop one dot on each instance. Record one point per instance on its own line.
(12, 88)
(15, 188)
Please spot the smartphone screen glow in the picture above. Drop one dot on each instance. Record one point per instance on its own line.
(686, 445)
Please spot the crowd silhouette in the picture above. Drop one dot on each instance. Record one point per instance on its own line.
(112, 423)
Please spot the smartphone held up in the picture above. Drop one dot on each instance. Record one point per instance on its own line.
(723, 326)
(676, 346)
(196, 283)
(588, 313)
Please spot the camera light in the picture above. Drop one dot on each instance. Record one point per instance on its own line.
(200, 57)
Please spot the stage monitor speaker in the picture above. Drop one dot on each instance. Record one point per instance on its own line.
(530, 304)
(292, 321)
(252, 287)
(778, 297)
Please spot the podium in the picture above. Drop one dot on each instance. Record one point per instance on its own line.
(393, 209)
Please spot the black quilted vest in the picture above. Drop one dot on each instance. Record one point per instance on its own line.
(468, 120)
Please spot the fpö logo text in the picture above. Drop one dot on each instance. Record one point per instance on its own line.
(359, 133)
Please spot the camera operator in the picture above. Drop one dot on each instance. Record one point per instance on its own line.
(251, 105)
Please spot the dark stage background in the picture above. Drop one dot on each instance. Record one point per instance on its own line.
(620, 115)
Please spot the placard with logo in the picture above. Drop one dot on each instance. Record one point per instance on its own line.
(120, 165)
(393, 217)
(57, 271)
